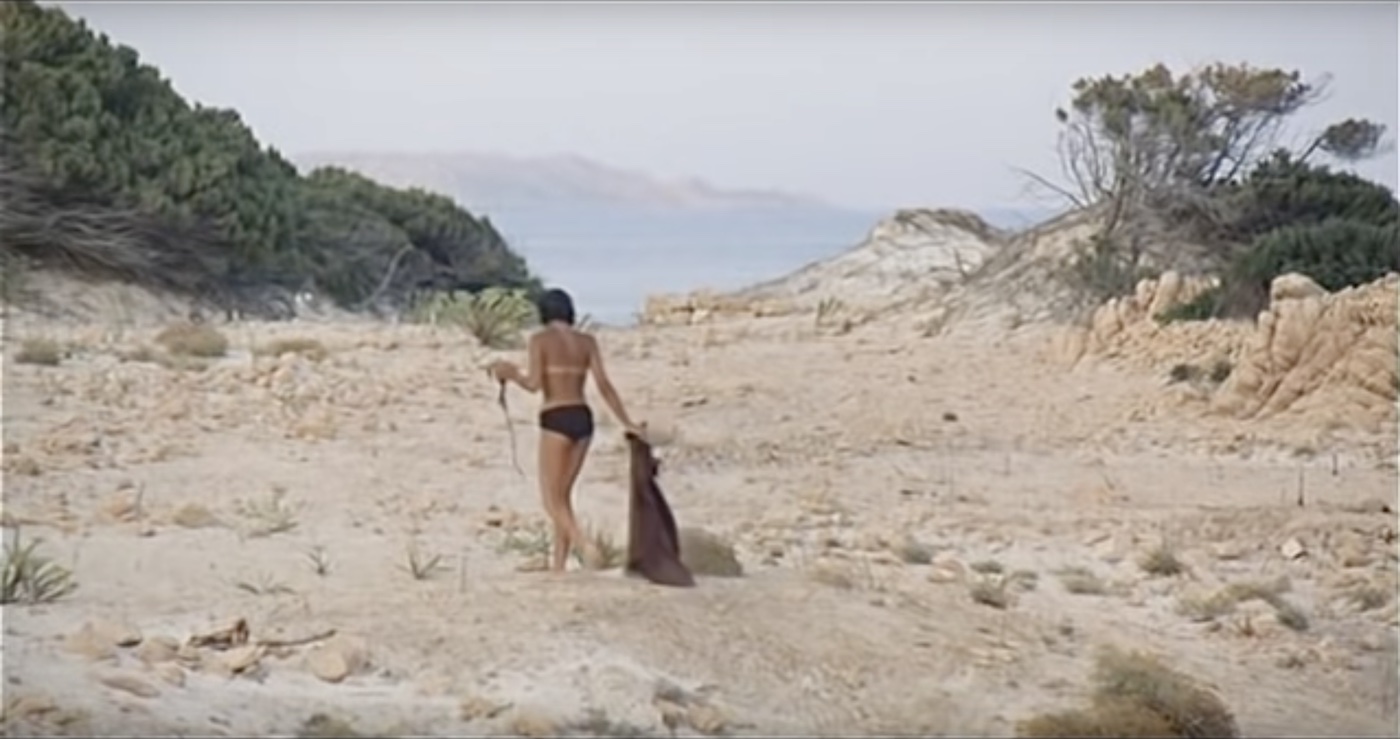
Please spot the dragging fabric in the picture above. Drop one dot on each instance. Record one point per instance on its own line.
(653, 546)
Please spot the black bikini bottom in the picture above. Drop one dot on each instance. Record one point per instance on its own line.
(573, 421)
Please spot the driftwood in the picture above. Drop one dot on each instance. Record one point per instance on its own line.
(238, 635)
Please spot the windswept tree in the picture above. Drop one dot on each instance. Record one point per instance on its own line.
(1155, 153)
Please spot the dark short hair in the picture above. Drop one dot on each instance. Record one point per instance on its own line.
(555, 305)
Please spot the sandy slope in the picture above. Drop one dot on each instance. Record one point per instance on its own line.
(820, 456)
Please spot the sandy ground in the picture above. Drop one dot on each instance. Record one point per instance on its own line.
(870, 482)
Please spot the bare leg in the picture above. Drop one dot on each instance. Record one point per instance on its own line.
(554, 462)
(563, 503)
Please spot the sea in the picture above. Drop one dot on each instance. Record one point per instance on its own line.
(610, 259)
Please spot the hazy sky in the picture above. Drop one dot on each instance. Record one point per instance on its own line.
(865, 104)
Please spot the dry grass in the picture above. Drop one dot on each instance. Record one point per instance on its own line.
(29, 577)
(1081, 581)
(309, 348)
(990, 591)
(271, 515)
(709, 555)
(193, 340)
(1161, 561)
(323, 726)
(531, 542)
(912, 552)
(320, 560)
(421, 565)
(1224, 601)
(1135, 695)
(610, 555)
(43, 352)
(987, 567)
(1368, 597)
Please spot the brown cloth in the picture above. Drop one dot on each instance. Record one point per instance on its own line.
(653, 546)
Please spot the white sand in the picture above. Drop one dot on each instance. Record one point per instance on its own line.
(817, 455)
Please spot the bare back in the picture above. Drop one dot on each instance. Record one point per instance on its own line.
(565, 356)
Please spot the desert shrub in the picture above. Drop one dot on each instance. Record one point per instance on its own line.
(706, 554)
(44, 352)
(1337, 228)
(193, 340)
(1284, 192)
(29, 577)
(1336, 253)
(1104, 268)
(495, 316)
(1135, 695)
(1161, 561)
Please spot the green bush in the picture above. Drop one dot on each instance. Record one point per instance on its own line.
(108, 169)
(495, 316)
(1287, 216)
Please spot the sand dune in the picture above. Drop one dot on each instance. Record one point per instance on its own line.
(873, 482)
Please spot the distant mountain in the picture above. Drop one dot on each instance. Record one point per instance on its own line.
(494, 182)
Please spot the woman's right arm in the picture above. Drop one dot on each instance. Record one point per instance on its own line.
(605, 386)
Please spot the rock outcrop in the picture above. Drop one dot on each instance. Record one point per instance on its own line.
(1328, 358)
(1331, 356)
(908, 257)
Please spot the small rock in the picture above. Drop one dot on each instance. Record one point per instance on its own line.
(85, 643)
(706, 719)
(338, 658)
(1228, 551)
(117, 634)
(29, 705)
(128, 683)
(194, 516)
(532, 723)
(946, 572)
(1292, 549)
(157, 649)
(474, 707)
(241, 658)
(170, 673)
(1256, 619)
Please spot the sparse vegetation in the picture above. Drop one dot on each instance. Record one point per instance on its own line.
(913, 552)
(990, 590)
(1135, 695)
(1368, 597)
(1224, 601)
(306, 347)
(323, 726)
(495, 316)
(1025, 580)
(268, 516)
(609, 555)
(44, 352)
(265, 584)
(320, 560)
(596, 722)
(421, 565)
(193, 340)
(1081, 581)
(827, 310)
(30, 577)
(987, 567)
(1161, 561)
(532, 542)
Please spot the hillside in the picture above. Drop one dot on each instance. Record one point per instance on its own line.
(495, 181)
(110, 173)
